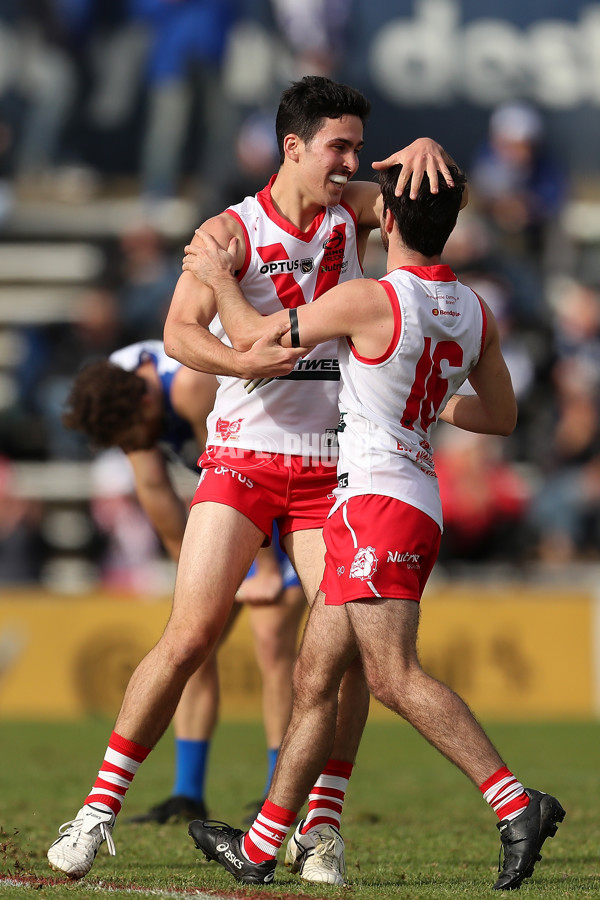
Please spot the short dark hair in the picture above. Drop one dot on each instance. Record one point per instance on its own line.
(104, 400)
(425, 223)
(305, 104)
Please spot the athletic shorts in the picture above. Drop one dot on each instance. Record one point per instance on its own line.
(378, 547)
(288, 573)
(266, 487)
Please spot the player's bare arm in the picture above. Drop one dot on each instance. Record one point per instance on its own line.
(275, 361)
(158, 498)
(493, 409)
(358, 309)
(193, 397)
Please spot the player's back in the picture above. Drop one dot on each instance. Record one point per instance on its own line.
(389, 405)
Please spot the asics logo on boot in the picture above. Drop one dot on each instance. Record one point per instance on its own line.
(233, 859)
(269, 877)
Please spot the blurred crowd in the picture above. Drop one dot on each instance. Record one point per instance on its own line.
(528, 502)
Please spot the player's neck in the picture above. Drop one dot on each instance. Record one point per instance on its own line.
(399, 255)
(292, 203)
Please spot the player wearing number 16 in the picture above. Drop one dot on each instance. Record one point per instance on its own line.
(408, 342)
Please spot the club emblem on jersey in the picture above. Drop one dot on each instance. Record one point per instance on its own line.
(364, 564)
(307, 265)
(228, 430)
(335, 239)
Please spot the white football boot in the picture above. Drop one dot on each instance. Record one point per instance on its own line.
(74, 851)
(317, 856)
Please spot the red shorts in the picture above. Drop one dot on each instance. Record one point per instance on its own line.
(378, 547)
(264, 487)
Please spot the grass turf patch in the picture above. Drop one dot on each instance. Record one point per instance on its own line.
(415, 828)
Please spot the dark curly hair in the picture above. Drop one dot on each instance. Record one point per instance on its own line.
(104, 400)
(426, 222)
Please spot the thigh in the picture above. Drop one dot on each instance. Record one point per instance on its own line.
(218, 547)
(386, 633)
(306, 549)
(276, 625)
(328, 647)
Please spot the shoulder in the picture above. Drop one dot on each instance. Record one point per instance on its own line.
(362, 197)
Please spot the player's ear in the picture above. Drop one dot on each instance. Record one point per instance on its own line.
(388, 221)
(291, 146)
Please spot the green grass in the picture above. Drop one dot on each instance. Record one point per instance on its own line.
(414, 826)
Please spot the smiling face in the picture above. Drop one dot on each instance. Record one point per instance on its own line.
(330, 159)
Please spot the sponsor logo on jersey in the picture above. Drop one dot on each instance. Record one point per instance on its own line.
(228, 431)
(343, 480)
(281, 266)
(243, 479)
(411, 560)
(342, 424)
(314, 370)
(445, 312)
(364, 565)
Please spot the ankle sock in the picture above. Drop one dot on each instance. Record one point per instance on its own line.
(268, 832)
(326, 800)
(504, 794)
(191, 759)
(121, 761)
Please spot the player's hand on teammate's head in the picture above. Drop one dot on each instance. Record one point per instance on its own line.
(423, 155)
(207, 260)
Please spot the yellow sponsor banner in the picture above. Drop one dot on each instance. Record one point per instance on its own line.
(512, 652)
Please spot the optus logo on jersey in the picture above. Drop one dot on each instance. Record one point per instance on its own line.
(280, 266)
(243, 479)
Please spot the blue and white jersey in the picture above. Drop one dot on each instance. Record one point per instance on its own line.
(177, 431)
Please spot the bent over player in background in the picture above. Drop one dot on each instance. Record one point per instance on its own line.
(410, 341)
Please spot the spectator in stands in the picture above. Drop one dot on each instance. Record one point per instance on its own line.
(520, 188)
(188, 44)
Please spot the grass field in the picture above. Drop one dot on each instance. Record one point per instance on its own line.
(414, 826)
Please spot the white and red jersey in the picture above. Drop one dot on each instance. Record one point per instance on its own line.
(389, 405)
(285, 268)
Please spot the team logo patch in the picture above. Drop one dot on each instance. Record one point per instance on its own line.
(228, 430)
(335, 239)
(364, 564)
(307, 265)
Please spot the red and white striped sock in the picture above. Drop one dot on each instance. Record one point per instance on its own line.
(121, 761)
(505, 794)
(268, 832)
(326, 800)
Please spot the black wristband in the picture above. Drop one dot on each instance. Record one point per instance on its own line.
(294, 333)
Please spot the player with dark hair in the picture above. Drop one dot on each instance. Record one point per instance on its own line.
(155, 410)
(270, 457)
(411, 339)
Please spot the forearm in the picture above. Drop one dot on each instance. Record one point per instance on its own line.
(167, 514)
(194, 346)
(471, 414)
(242, 322)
